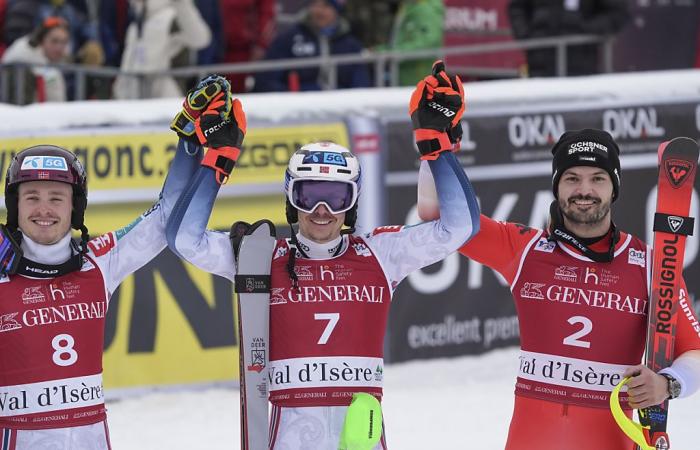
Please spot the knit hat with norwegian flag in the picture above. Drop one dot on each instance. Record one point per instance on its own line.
(587, 147)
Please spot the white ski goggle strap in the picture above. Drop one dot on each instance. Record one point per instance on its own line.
(338, 196)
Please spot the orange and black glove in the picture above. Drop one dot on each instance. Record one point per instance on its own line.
(436, 108)
(222, 131)
(197, 101)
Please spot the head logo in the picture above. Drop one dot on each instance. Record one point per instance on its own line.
(44, 163)
(677, 171)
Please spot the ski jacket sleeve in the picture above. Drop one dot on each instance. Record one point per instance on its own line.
(122, 252)
(499, 245)
(410, 248)
(187, 232)
(688, 328)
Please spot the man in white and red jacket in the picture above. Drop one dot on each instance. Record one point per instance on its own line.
(55, 292)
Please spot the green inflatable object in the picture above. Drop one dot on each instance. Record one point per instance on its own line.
(363, 423)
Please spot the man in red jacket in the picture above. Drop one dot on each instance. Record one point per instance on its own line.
(582, 304)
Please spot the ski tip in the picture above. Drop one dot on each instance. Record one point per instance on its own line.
(684, 146)
(263, 227)
(680, 147)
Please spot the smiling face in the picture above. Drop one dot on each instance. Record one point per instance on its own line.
(55, 44)
(585, 195)
(321, 225)
(44, 209)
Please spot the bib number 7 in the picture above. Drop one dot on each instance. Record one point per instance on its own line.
(332, 319)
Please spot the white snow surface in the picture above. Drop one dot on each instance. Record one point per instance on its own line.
(440, 404)
(598, 90)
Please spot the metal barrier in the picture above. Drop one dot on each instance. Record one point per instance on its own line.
(383, 62)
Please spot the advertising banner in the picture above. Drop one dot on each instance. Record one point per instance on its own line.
(472, 22)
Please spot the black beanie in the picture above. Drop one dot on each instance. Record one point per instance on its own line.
(587, 147)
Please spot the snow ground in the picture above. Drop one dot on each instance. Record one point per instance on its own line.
(427, 405)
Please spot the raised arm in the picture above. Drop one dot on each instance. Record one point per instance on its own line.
(186, 230)
(436, 108)
(122, 252)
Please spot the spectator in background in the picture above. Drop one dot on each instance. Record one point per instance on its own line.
(114, 20)
(211, 11)
(23, 16)
(371, 21)
(322, 32)
(419, 25)
(546, 18)
(48, 44)
(248, 30)
(160, 31)
(3, 10)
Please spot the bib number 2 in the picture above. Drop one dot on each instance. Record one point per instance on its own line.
(64, 354)
(574, 339)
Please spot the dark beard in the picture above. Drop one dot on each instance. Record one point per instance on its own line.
(593, 216)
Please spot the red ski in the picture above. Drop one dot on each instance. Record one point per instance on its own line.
(678, 161)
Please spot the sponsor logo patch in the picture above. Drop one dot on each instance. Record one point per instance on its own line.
(102, 244)
(332, 158)
(545, 245)
(387, 229)
(257, 355)
(281, 251)
(304, 273)
(33, 295)
(677, 171)
(566, 273)
(636, 257)
(44, 163)
(9, 323)
(532, 291)
(675, 222)
(361, 249)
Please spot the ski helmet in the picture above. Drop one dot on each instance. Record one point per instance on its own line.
(46, 163)
(323, 162)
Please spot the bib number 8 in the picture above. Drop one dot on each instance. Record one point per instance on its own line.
(64, 354)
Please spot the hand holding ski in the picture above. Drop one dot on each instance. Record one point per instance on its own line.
(678, 160)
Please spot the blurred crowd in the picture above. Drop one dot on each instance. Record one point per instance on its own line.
(154, 36)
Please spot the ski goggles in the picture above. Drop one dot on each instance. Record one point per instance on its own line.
(338, 196)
